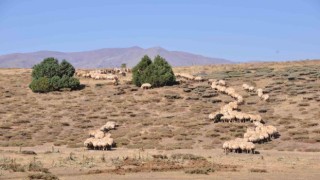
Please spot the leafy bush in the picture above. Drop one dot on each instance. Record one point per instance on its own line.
(49, 75)
(73, 83)
(138, 70)
(157, 73)
(66, 69)
(54, 83)
(40, 85)
(49, 67)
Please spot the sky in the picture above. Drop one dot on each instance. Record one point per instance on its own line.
(238, 30)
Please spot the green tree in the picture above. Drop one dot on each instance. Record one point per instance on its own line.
(54, 83)
(123, 65)
(74, 83)
(157, 73)
(49, 67)
(64, 82)
(66, 69)
(49, 75)
(138, 70)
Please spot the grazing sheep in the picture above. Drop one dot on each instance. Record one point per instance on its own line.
(228, 113)
(108, 126)
(265, 97)
(251, 89)
(101, 141)
(185, 76)
(88, 143)
(92, 133)
(211, 81)
(99, 135)
(222, 82)
(198, 78)
(238, 145)
(145, 86)
(260, 92)
(245, 86)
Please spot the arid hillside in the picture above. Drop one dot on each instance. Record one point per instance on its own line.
(164, 119)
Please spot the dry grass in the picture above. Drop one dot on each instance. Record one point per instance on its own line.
(164, 118)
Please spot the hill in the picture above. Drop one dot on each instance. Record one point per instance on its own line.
(107, 57)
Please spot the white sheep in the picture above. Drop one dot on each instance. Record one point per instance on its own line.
(265, 97)
(198, 78)
(260, 92)
(99, 135)
(110, 125)
(222, 82)
(145, 86)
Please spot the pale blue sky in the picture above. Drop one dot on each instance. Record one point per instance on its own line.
(238, 30)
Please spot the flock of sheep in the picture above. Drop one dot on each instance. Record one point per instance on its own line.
(259, 91)
(104, 74)
(229, 113)
(185, 76)
(100, 139)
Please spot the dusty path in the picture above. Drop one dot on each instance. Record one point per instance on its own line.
(276, 164)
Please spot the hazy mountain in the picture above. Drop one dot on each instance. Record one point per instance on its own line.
(108, 57)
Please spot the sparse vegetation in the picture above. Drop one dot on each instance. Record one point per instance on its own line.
(167, 118)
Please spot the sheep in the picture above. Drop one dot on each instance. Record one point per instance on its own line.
(108, 126)
(265, 97)
(88, 143)
(229, 114)
(251, 89)
(146, 86)
(99, 140)
(225, 146)
(92, 133)
(260, 92)
(198, 78)
(211, 81)
(238, 145)
(104, 143)
(99, 135)
(245, 86)
(185, 76)
(271, 130)
(222, 82)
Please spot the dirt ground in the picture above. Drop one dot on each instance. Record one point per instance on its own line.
(162, 121)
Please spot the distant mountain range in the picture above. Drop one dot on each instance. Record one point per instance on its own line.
(107, 57)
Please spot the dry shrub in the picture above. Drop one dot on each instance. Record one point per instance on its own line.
(199, 170)
(45, 176)
(256, 170)
(11, 165)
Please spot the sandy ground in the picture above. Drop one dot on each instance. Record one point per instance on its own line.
(277, 164)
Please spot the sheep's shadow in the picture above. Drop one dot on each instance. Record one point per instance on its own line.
(276, 136)
(257, 152)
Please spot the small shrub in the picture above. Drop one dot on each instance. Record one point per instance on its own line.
(256, 170)
(186, 157)
(45, 176)
(40, 85)
(199, 171)
(28, 152)
(11, 164)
